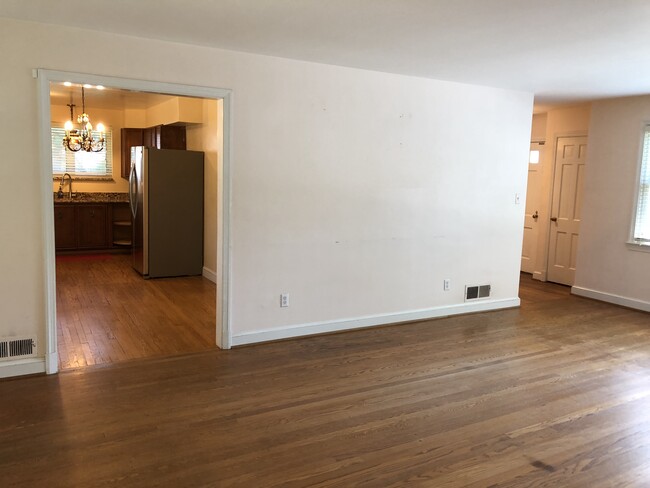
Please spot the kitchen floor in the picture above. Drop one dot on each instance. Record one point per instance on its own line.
(107, 313)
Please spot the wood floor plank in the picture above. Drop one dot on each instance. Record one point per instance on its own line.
(555, 393)
(107, 313)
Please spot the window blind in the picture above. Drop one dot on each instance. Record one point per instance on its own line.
(642, 223)
(81, 163)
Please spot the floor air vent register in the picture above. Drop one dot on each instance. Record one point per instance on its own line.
(477, 292)
(11, 348)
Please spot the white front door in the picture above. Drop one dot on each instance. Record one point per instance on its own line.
(568, 182)
(533, 193)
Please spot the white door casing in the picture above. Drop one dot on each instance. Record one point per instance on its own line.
(223, 244)
(566, 207)
(533, 202)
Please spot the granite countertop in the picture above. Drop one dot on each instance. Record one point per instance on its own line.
(80, 197)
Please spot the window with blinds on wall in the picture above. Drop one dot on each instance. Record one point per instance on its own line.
(642, 222)
(81, 163)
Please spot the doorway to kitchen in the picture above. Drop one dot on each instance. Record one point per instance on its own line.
(131, 317)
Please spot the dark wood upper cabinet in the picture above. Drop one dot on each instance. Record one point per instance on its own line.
(149, 137)
(130, 138)
(159, 136)
(171, 137)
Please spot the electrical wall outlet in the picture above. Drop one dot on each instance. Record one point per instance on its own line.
(446, 284)
(284, 300)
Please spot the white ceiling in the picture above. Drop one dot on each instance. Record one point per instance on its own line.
(562, 50)
(110, 98)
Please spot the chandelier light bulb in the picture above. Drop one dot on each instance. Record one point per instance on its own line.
(101, 128)
(68, 125)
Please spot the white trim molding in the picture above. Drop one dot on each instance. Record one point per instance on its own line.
(209, 274)
(222, 275)
(370, 321)
(611, 298)
(21, 367)
(638, 246)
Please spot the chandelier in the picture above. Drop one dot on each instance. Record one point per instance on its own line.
(82, 138)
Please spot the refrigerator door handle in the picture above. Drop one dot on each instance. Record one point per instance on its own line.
(133, 182)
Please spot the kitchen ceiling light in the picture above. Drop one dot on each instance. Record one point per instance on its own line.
(82, 138)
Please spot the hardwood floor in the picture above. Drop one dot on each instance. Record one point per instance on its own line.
(106, 312)
(554, 394)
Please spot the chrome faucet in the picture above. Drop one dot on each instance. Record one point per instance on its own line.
(60, 192)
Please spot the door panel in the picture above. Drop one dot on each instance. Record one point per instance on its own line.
(566, 208)
(92, 226)
(175, 218)
(65, 230)
(580, 188)
(533, 197)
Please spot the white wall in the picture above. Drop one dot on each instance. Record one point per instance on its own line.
(538, 131)
(356, 192)
(606, 266)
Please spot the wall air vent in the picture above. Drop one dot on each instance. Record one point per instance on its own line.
(14, 348)
(477, 292)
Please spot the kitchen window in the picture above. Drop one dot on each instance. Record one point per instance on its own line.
(80, 164)
(641, 230)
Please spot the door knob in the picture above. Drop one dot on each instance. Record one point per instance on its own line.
(553, 219)
(535, 215)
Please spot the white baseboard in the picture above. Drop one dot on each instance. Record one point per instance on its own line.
(610, 298)
(370, 321)
(20, 367)
(208, 274)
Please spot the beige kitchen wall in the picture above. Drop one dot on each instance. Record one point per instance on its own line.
(208, 137)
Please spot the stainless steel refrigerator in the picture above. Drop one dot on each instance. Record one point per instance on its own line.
(166, 196)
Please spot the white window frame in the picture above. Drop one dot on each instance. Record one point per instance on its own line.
(57, 144)
(643, 170)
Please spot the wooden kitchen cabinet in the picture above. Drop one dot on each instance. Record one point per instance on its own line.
(91, 226)
(130, 138)
(171, 137)
(159, 136)
(149, 138)
(65, 230)
(165, 137)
